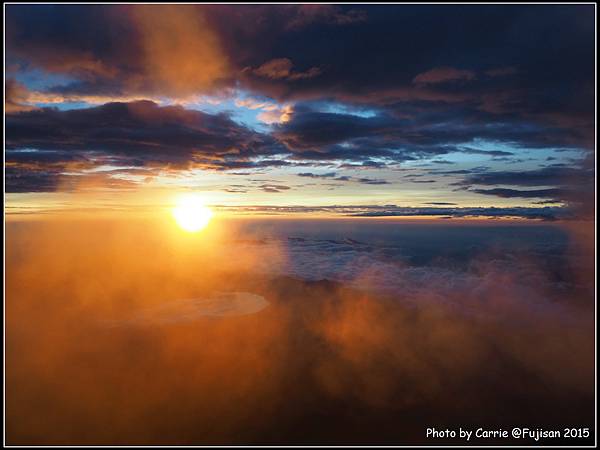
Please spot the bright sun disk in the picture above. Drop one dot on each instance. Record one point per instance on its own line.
(191, 214)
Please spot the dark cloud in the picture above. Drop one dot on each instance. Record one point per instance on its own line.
(281, 68)
(493, 59)
(46, 158)
(149, 50)
(16, 180)
(519, 193)
(504, 57)
(305, 15)
(371, 181)
(394, 135)
(438, 210)
(309, 129)
(444, 75)
(234, 162)
(42, 171)
(138, 133)
(461, 171)
(142, 128)
(441, 204)
(574, 185)
(20, 180)
(314, 175)
(545, 213)
(542, 177)
(273, 187)
(501, 72)
(494, 153)
(334, 177)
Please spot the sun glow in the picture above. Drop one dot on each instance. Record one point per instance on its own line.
(191, 214)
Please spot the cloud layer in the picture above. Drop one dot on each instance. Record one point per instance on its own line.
(334, 85)
(500, 337)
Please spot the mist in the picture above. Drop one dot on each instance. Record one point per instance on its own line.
(468, 340)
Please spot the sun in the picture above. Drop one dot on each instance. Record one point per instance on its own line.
(191, 214)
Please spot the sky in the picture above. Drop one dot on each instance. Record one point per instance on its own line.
(340, 110)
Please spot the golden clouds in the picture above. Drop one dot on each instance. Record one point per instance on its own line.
(100, 350)
(16, 97)
(281, 114)
(181, 54)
